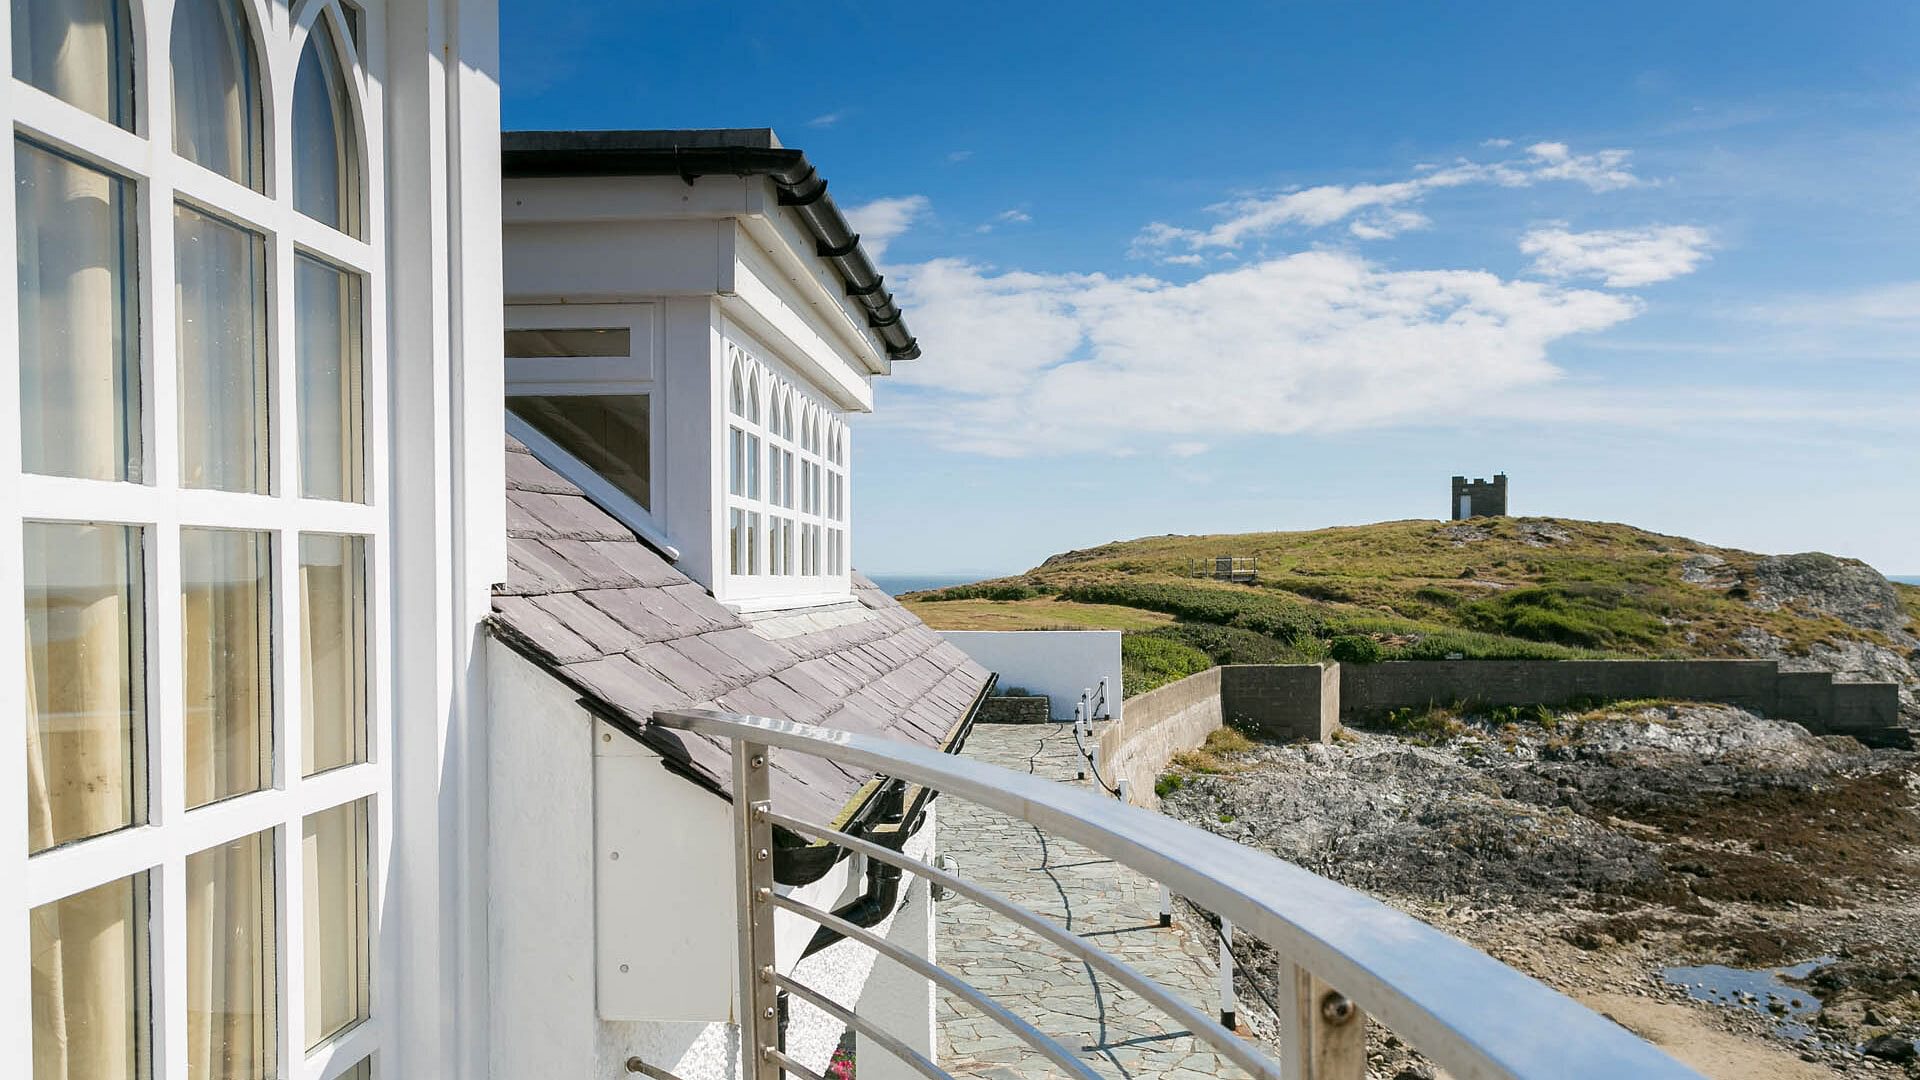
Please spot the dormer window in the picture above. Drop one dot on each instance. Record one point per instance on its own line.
(580, 393)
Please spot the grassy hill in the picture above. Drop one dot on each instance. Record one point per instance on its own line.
(1491, 588)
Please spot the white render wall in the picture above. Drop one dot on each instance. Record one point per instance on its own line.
(1057, 663)
(666, 911)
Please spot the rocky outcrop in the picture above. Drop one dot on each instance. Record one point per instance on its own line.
(1847, 589)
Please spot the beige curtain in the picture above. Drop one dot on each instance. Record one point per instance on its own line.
(231, 1024)
(332, 651)
(335, 915)
(76, 51)
(84, 771)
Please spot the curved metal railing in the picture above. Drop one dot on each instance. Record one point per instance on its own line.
(1345, 956)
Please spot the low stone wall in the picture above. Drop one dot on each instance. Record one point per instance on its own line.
(1157, 725)
(1015, 709)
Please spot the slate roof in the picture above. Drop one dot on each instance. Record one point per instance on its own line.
(611, 618)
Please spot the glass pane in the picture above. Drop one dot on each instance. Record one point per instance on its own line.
(226, 630)
(753, 544)
(610, 433)
(86, 700)
(734, 542)
(232, 1028)
(541, 344)
(79, 339)
(222, 334)
(333, 651)
(216, 91)
(362, 1070)
(327, 351)
(753, 466)
(326, 159)
(80, 51)
(90, 984)
(336, 920)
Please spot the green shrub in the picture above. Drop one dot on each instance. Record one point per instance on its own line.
(1355, 649)
(1147, 662)
(1230, 644)
(1585, 614)
(984, 592)
(1248, 609)
(1167, 785)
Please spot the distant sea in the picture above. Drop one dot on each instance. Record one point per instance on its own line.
(895, 584)
(1911, 579)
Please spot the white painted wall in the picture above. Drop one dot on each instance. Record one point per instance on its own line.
(1057, 663)
(568, 792)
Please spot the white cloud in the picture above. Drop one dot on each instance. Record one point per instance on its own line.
(1383, 209)
(1496, 144)
(957, 156)
(1020, 363)
(881, 220)
(1877, 306)
(1619, 258)
(826, 120)
(1015, 216)
(1187, 449)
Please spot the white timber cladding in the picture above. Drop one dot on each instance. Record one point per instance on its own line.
(784, 454)
(404, 262)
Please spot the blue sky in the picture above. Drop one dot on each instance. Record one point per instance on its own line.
(1214, 268)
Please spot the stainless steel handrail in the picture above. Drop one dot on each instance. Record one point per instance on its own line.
(1473, 1015)
(913, 1058)
(971, 994)
(1241, 1052)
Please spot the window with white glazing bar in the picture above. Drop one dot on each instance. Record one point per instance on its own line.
(784, 483)
(201, 442)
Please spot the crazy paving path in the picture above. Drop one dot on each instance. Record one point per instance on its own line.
(1110, 1027)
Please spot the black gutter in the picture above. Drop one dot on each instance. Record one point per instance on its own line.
(690, 155)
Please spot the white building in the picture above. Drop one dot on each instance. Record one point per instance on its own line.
(683, 347)
(284, 806)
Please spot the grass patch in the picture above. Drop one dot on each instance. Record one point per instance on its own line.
(1214, 757)
(1042, 613)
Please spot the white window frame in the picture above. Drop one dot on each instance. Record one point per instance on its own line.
(636, 373)
(810, 577)
(160, 507)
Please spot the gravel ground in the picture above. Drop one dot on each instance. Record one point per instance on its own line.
(1596, 849)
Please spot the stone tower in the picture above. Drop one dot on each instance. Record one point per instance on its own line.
(1479, 498)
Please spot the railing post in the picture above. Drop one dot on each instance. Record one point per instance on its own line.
(1228, 1006)
(1079, 729)
(753, 870)
(1323, 1033)
(1166, 904)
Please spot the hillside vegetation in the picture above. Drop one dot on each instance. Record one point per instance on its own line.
(1491, 588)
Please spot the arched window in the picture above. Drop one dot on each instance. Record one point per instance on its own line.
(80, 51)
(216, 91)
(753, 395)
(326, 155)
(736, 399)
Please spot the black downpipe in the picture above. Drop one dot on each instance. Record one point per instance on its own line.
(869, 909)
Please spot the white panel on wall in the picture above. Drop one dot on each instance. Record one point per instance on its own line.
(663, 889)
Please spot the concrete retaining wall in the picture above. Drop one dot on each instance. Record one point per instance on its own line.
(1310, 701)
(1157, 725)
(1867, 711)
(1282, 701)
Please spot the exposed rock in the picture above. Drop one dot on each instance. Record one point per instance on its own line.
(1895, 1048)
(1462, 535)
(1847, 589)
(1710, 570)
(1542, 534)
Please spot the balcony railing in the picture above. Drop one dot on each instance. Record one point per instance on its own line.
(1345, 956)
